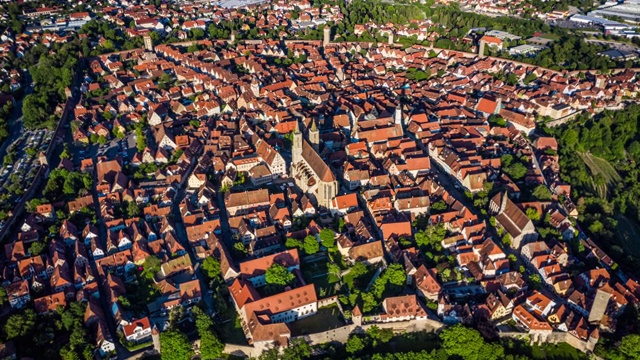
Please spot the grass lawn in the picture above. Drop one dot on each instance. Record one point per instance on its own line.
(562, 351)
(325, 285)
(326, 318)
(550, 36)
(230, 331)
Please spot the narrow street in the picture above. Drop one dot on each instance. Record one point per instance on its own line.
(181, 235)
(224, 222)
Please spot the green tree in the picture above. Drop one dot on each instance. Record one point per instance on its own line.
(19, 325)
(378, 335)
(395, 274)
(141, 139)
(327, 236)
(298, 349)
(468, 344)
(438, 206)
(210, 346)
(278, 275)
(211, 267)
(333, 269)
(293, 243)
(3, 295)
(354, 345)
(37, 248)
(535, 281)
(533, 214)
(311, 245)
(368, 302)
(516, 171)
(66, 153)
(174, 345)
(542, 193)
(431, 237)
(133, 210)
(151, 266)
(630, 346)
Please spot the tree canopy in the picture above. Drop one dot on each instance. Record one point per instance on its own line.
(174, 345)
(278, 275)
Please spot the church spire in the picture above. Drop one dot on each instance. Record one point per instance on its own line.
(314, 136)
(296, 150)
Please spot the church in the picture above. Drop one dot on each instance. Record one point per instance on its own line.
(308, 169)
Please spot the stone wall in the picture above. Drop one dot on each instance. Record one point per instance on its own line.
(328, 301)
(554, 338)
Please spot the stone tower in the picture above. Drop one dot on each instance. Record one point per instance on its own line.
(481, 46)
(296, 149)
(232, 38)
(255, 88)
(148, 43)
(314, 136)
(397, 117)
(390, 38)
(327, 36)
(356, 316)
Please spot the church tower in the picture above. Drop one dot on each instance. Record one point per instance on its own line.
(314, 136)
(296, 149)
(326, 40)
(148, 43)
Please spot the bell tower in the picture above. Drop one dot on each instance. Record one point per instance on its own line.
(314, 136)
(296, 149)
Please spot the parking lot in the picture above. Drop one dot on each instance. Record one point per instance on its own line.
(20, 165)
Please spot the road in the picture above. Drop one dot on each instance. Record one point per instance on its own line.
(181, 235)
(224, 222)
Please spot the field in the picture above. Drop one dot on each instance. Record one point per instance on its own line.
(601, 166)
(326, 318)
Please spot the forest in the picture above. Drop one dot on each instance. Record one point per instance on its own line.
(600, 158)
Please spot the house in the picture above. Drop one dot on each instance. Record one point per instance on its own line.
(340, 205)
(255, 270)
(68, 232)
(499, 305)
(190, 292)
(368, 253)
(537, 327)
(402, 308)
(105, 342)
(244, 202)
(138, 330)
(18, 294)
(426, 283)
(50, 303)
